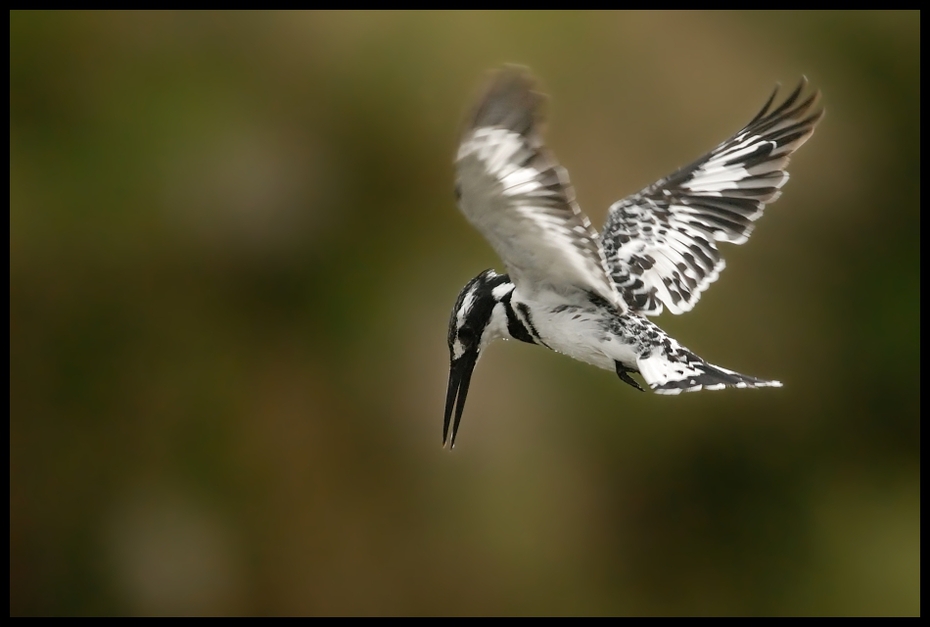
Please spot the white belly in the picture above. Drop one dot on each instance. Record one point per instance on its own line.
(580, 333)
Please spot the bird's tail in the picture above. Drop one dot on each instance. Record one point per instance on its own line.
(673, 369)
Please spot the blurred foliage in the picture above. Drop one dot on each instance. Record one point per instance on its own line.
(233, 248)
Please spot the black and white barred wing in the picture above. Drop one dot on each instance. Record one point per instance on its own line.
(661, 244)
(515, 193)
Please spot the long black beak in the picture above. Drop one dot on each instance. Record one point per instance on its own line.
(459, 379)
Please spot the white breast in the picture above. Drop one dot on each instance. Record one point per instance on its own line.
(577, 330)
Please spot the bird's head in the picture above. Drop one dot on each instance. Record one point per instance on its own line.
(478, 319)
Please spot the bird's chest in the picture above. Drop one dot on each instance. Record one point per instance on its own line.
(580, 331)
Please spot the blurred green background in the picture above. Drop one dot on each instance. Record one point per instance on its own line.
(233, 252)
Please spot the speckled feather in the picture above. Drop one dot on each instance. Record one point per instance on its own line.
(661, 244)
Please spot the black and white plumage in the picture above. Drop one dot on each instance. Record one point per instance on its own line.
(584, 294)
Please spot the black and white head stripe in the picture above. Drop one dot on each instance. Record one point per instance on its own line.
(473, 309)
(515, 193)
(661, 244)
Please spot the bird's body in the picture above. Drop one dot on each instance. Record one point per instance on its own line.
(585, 294)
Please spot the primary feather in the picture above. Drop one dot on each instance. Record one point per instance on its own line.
(661, 243)
(516, 194)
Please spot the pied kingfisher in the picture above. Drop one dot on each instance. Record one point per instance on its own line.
(585, 295)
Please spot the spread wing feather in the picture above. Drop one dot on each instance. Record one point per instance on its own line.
(661, 244)
(515, 193)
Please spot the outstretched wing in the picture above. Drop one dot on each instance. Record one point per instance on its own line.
(515, 193)
(661, 244)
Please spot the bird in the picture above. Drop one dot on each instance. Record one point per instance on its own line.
(590, 295)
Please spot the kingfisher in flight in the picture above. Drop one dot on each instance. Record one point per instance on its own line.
(589, 295)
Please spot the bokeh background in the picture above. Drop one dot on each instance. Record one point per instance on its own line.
(233, 252)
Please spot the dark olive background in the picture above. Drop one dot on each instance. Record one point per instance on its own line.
(233, 251)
